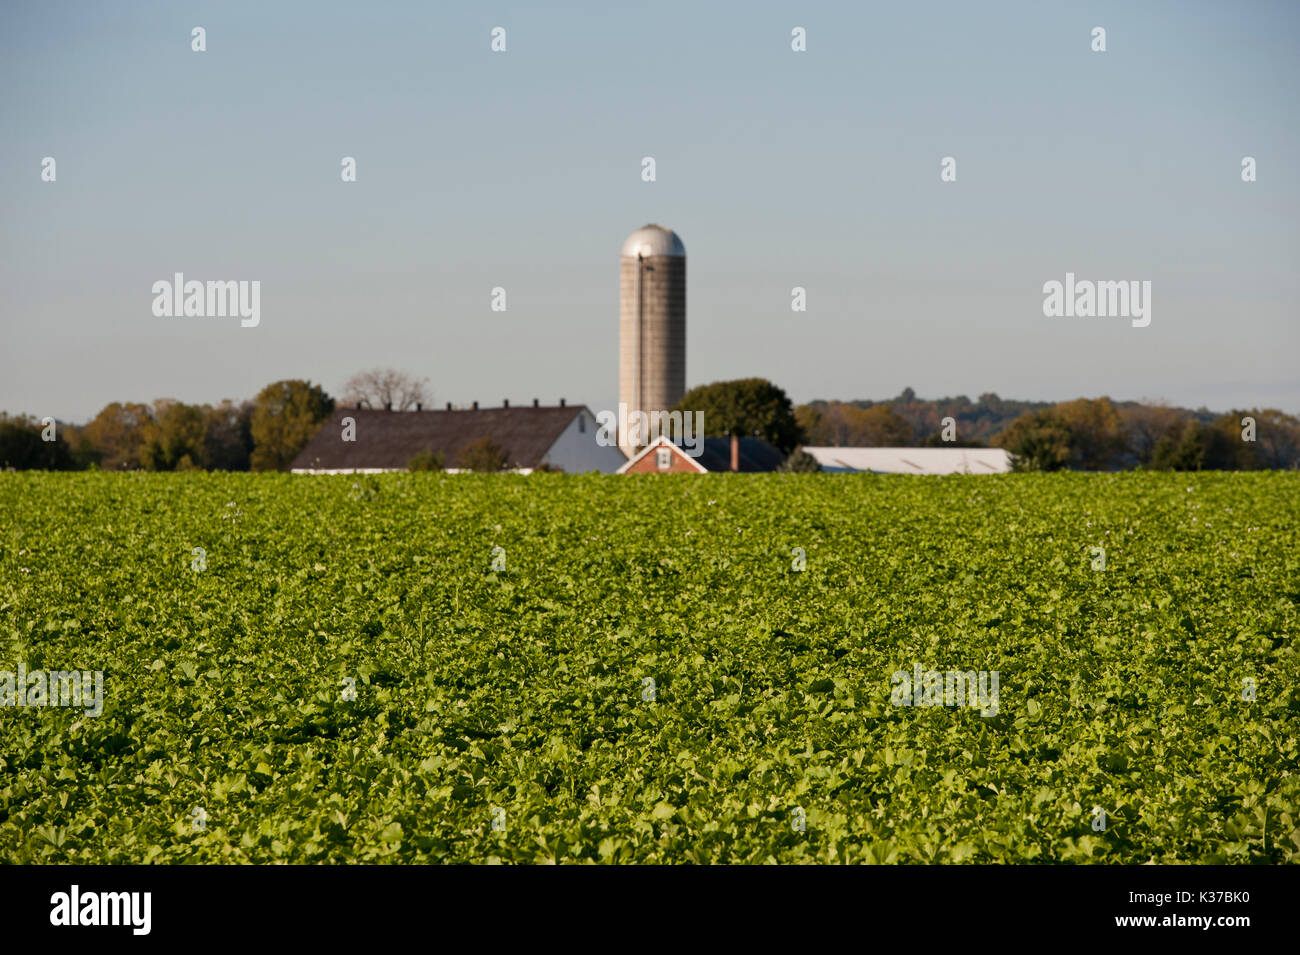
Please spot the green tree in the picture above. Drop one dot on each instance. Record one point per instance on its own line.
(1181, 450)
(745, 407)
(483, 454)
(1277, 437)
(1096, 435)
(1145, 425)
(1037, 442)
(117, 435)
(23, 447)
(173, 439)
(285, 416)
(1084, 434)
(800, 462)
(228, 436)
(1205, 447)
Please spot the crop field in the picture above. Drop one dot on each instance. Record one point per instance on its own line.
(480, 668)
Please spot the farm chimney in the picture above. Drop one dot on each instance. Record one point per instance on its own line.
(475, 406)
(505, 402)
(449, 406)
(534, 402)
(561, 402)
(419, 406)
(388, 406)
(735, 452)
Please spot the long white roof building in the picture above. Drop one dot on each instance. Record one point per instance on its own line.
(914, 460)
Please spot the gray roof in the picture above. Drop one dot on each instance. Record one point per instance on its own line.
(389, 439)
(755, 455)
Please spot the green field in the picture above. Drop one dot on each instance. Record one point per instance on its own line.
(521, 696)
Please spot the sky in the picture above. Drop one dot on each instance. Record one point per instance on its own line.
(522, 170)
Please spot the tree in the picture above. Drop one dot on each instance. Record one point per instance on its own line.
(1183, 450)
(228, 436)
(285, 416)
(83, 452)
(810, 420)
(386, 388)
(1096, 439)
(1145, 425)
(839, 424)
(22, 446)
(879, 426)
(800, 462)
(173, 438)
(117, 434)
(1083, 434)
(1037, 442)
(1198, 446)
(483, 454)
(748, 406)
(1277, 436)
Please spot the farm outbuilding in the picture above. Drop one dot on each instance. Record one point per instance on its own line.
(663, 456)
(913, 460)
(363, 440)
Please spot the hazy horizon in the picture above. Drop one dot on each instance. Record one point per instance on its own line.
(522, 170)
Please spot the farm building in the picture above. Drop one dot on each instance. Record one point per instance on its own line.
(716, 454)
(914, 460)
(362, 440)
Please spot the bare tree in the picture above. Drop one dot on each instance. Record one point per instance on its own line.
(386, 387)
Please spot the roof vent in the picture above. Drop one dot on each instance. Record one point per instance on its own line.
(449, 406)
(419, 406)
(534, 402)
(505, 402)
(388, 406)
(561, 402)
(475, 406)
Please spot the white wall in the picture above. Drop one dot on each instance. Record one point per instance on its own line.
(577, 451)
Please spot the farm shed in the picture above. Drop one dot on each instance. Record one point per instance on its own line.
(562, 437)
(913, 460)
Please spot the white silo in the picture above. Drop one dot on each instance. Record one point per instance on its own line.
(652, 326)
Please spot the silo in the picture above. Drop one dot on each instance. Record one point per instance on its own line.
(651, 325)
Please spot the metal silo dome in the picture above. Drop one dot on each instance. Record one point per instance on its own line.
(653, 240)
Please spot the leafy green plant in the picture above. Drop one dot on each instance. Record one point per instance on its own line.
(227, 689)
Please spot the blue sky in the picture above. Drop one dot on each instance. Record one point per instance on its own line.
(522, 170)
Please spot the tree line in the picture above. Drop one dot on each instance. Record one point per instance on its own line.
(1093, 434)
(264, 434)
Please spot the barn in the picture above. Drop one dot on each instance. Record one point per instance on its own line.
(364, 440)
